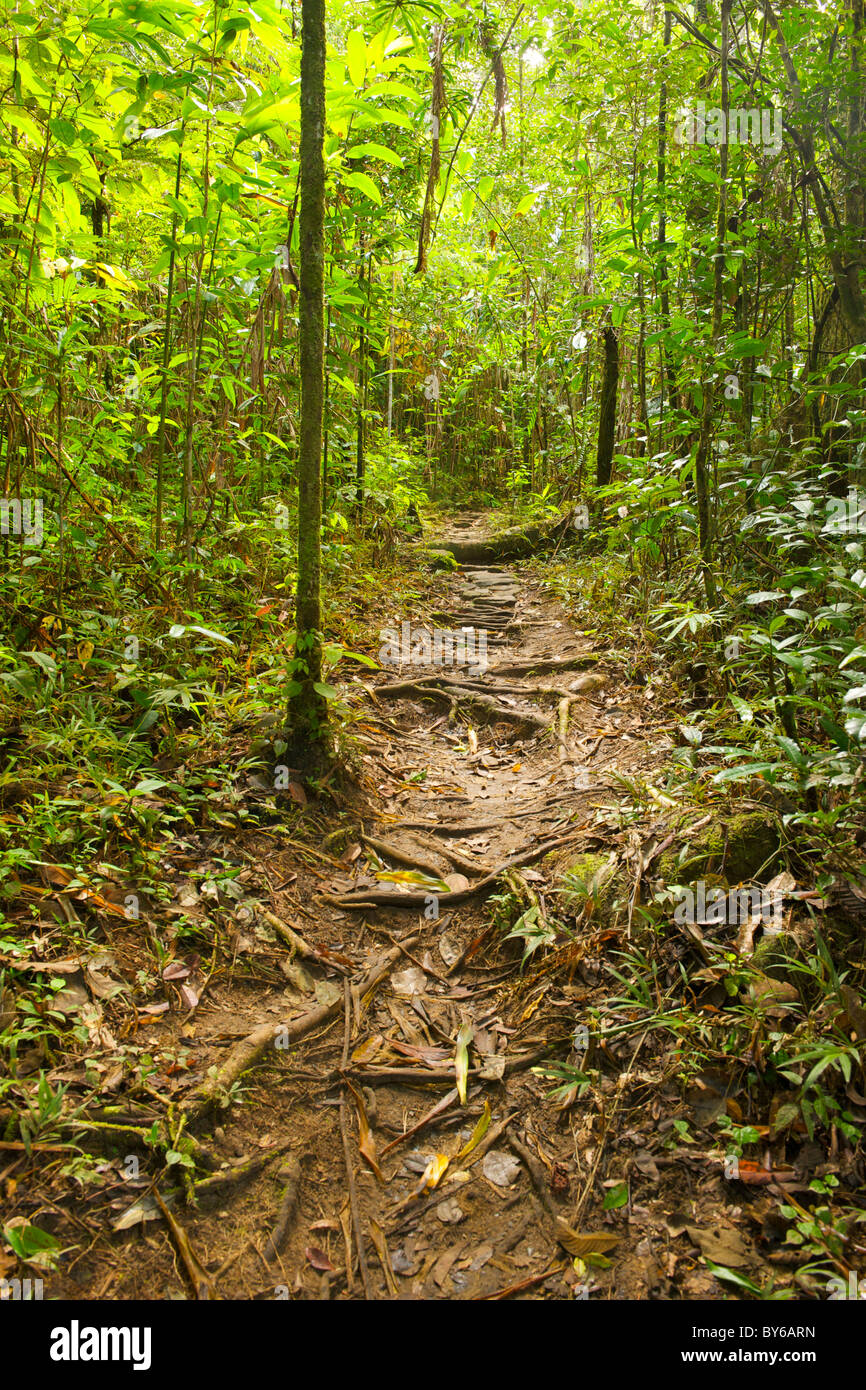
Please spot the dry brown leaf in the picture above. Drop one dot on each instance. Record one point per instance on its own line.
(366, 1141)
(584, 1242)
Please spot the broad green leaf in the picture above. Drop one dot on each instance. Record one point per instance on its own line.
(365, 184)
(45, 662)
(356, 58)
(615, 1197)
(375, 151)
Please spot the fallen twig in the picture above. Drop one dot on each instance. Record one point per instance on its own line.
(286, 1212)
(344, 1131)
(199, 1277)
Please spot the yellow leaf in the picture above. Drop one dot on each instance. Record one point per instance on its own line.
(461, 1059)
(531, 1009)
(85, 652)
(584, 1242)
(111, 275)
(366, 1051)
(366, 1142)
(414, 876)
(377, 1235)
(478, 1133)
(434, 1172)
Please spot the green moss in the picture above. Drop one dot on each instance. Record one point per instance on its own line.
(739, 847)
(599, 878)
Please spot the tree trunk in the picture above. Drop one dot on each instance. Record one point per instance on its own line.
(669, 376)
(307, 709)
(607, 409)
(702, 457)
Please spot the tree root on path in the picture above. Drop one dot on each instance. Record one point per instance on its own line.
(377, 898)
(296, 943)
(251, 1049)
(470, 828)
(402, 856)
(545, 666)
(461, 696)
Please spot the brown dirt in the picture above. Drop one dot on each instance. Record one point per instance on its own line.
(489, 1228)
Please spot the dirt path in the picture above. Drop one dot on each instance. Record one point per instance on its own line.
(351, 1128)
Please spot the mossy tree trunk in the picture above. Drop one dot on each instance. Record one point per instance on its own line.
(308, 711)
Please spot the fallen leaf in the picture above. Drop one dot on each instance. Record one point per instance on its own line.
(500, 1167)
(478, 1133)
(189, 996)
(580, 1243)
(434, 1172)
(366, 1141)
(721, 1244)
(449, 1212)
(319, 1260)
(411, 981)
(145, 1209)
(176, 970)
(461, 1059)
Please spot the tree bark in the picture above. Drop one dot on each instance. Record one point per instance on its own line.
(307, 709)
(607, 410)
(702, 457)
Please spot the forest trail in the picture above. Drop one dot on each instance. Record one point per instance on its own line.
(451, 1200)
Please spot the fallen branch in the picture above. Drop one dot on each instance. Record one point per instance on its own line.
(201, 1280)
(421, 1076)
(438, 1109)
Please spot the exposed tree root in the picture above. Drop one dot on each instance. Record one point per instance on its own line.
(461, 696)
(377, 898)
(565, 663)
(251, 1049)
(412, 861)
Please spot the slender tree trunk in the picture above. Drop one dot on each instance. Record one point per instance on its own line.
(661, 186)
(307, 712)
(702, 485)
(607, 408)
(327, 414)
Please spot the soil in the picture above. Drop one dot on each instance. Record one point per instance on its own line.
(488, 1197)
